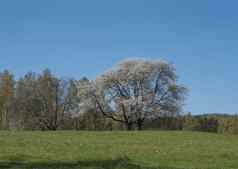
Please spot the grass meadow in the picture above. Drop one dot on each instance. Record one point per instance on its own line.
(118, 150)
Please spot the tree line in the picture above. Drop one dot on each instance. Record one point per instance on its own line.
(134, 94)
(215, 123)
(128, 95)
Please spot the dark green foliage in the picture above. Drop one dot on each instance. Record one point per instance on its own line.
(201, 123)
(206, 123)
(165, 123)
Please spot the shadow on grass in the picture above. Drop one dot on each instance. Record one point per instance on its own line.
(120, 163)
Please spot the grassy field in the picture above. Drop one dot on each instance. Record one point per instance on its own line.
(117, 150)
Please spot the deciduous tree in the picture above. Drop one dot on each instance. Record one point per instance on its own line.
(136, 90)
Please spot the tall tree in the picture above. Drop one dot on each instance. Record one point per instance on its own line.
(7, 84)
(56, 100)
(27, 102)
(136, 90)
(45, 101)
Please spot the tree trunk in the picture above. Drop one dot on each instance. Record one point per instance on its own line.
(139, 124)
(129, 126)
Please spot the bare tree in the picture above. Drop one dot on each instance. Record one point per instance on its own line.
(7, 89)
(44, 101)
(56, 100)
(27, 102)
(136, 90)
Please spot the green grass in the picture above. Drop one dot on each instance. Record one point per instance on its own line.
(117, 150)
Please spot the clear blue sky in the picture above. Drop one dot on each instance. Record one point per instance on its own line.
(83, 38)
